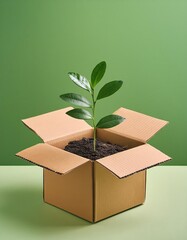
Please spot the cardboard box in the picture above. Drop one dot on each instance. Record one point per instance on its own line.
(94, 190)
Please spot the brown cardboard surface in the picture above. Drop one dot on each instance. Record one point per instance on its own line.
(109, 136)
(137, 125)
(52, 158)
(72, 192)
(114, 195)
(98, 189)
(133, 160)
(63, 141)
(53, 125)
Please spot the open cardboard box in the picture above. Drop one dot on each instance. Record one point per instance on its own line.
(94, 190)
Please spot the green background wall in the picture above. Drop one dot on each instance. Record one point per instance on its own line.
(143, 43)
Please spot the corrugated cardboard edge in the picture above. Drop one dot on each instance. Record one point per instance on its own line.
(53, 125)
(134, 160)
(137, 126)
(137, 170)
(52, 158)
(93, 189)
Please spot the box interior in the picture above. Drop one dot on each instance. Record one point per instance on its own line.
(102, 134)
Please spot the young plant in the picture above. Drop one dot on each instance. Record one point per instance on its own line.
(80, 101)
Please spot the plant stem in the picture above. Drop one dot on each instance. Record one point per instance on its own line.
(94, 126)
(94, 138)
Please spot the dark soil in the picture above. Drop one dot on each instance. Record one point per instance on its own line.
(84, 148)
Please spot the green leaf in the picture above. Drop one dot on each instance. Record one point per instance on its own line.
(109, 89)
(75, 99)
(98, 73)
(79, 113)
(80, 81)
(110, 121)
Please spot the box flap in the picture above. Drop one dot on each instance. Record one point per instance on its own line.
(137, 125)
(53, 125)
(133, 160)
(52, 158)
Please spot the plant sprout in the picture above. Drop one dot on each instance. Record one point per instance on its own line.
(82, 102)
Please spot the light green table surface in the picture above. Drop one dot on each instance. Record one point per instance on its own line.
(23, 215)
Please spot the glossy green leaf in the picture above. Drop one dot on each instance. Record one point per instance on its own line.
(110, 121)
(75, 99)
(79, 113)
(80, 81)
(98, 73)
(109, 89)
